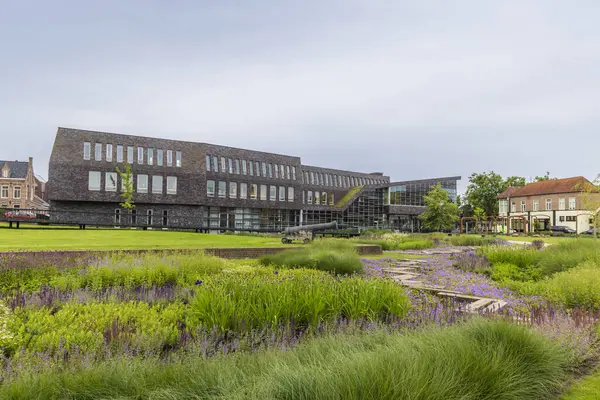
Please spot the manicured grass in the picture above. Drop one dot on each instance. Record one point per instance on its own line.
(548, 239)
(586, 389)
(479, 360)
(120, 239)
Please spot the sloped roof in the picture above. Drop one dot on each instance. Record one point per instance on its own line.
(508, 192)
(18, 169)
(552, 186)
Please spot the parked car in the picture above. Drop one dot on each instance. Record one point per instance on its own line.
(588, 232)
(563, 229)
(19, 215)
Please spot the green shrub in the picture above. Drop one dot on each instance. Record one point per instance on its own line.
(479, 360)
(577, 287)
(398, 241)
(339, 257)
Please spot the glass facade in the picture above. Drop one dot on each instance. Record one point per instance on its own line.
(413, 193)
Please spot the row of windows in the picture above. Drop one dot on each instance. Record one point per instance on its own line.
(144, 155)
(111, 179)
(536, 205)
(316, 197)
(133, 217)
(319, 178)
(251, 191)
(16, 192)
(252, 168)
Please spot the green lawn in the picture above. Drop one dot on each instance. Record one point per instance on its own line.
(119, 239)
(586, 389)
(546, 239)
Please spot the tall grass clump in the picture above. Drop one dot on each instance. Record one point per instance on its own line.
(477, 360)
(338, 257)
(398, 241)
(577, 287)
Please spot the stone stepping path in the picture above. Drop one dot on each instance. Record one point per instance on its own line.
(406, 272)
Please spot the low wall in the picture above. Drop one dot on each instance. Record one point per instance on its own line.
(73, 257)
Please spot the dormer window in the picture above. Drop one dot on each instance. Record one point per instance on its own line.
(5, 173)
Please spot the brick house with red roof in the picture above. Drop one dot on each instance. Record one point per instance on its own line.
(556, 202)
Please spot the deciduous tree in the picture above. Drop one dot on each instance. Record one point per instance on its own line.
(441, 212)
(127, 185)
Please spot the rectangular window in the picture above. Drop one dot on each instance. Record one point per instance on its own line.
(169, 158)
(331, 201)
(222, 189)
(326, 179)
(142, 183)
(94, 181)
(165, 218)
(178, 157)
(130, 154)
(216, 163)
(322, 179)
(98, 152)
(171, 185)
(87, 149)
(281, 193)
(523, 206)
(230, 163)
(251, 168)
(304, 197)
(276, 171)
(253, 191)
(120, 153)
(257, 168)
(4, 192)
(572, 205)
(288, 175)
(335, 182)
(237, 166)
(309, 197)
(270, 170)
(548, 204)
(243, 190)
(232, 190)
(294, 173)
(109, 151)
(282, 171)
(561, 204)
(150, 156)
(244, 168)
(513, 206)
(110, 184)
(140, 158)
(312, 178)
(149, 219)
(157, 184)
(290, 194)
(117, 216)
(159, 158)
(536, 205)
(273, 192)
(324, 198)
(223, 165)
(210, 188)
(207, 162)
(263, 192)
(317, 197)
(264, 170)
(306, 180)
(17, 192)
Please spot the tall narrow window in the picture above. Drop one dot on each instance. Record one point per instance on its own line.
(276, 169)
(288, 175)
(335, 183)
(169, 158)
(171, 185)
(513, 206)
(223, 165)
(548, 204)
(149, 219)
(257, 169)
(94, 178)
(98, 152)
(293, 173)
(251, 168)
(216, 163)
(331, 201)
(4, 192)
(17, 192)
(317, 197)
(282, 172)
(312, 178)
(207, 162)
(117, 216)
(130, 154)
(309, 197)
(253, 191)
(230, 164)
(222, 189)
(327, 180)
(561, 204)
(264, 169)
(150, 156)
(87, 149)
(244, 168)
(324, 198)
(110, 184)
(281, 193)
(243, 190)
(142, 183)
(165, 218)
(572, 205)
(134, 216)
(273, 193)
(178, 159)
(237, 166)
(109, 152)
(157, 184)
(232, 190)
(523, 206)
(210, 188)
(290, 193)
(140, 158)
(120, 153)
(263, 192)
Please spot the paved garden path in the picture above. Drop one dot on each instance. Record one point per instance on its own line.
(407, 273)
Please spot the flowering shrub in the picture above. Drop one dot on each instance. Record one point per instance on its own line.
(7, 340)
(470, 261)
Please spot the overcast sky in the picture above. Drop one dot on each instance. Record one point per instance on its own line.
(415, 89)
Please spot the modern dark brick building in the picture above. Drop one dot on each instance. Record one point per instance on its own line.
(203, 186)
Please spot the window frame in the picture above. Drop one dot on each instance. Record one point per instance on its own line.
(141, 178)
(169, 158)
(130, 155)
(95, 174)
(573, 203)
(209, 183)
(140, 155)
(237, 166)
(87, 148)
(170, 180)
(119, 153)
(243, 190)
(536, 205)
(523, 205)
(244, 167)
(107, 176)
(233, 190)
(264, 195)
(207, 162)
(109, 152)
(290, 194)
(17, 189)
(2, 188)
(548, 204)
(159, 157)
(309, 197)
(150, 155)
(272, 193)
(97, 151)
(178, 159)
(222, 193)
(282, 193)
(157, 179)
(253, 188)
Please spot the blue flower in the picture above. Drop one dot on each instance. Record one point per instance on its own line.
(276, 272)
(198, 282)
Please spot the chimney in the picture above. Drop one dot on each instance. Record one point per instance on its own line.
(30, 160)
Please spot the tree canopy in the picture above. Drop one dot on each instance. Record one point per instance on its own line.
(484, 188)
(441, 212)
